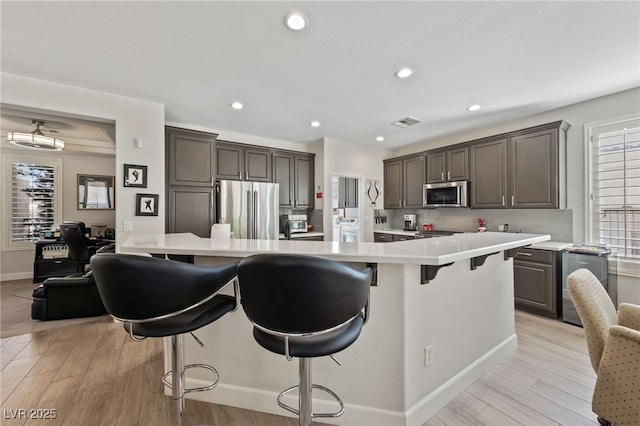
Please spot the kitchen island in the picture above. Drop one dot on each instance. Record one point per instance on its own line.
(452, 294)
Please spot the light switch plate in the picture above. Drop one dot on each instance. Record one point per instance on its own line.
(128, 226)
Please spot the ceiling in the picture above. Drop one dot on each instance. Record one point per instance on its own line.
(514, 58)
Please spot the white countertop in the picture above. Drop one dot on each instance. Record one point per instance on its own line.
(427, 251)
(551, 245)
(395, 232)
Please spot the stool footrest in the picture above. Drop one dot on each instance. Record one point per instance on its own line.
(314, 415)
(198, 389)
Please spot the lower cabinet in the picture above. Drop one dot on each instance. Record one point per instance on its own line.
(536, 282)
(380, 237)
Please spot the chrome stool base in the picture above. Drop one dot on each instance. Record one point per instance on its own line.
(304, 411)
(167, 383)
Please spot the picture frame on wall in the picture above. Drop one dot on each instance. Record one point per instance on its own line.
(135, 176)
(96, 192)
(147, 204)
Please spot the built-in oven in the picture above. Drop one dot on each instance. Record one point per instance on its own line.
(448, 194)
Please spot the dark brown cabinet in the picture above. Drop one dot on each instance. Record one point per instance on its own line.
(448, 166)
(535, 170)
(240, 162)
(526, 169)
(294, 172)
(347, 192)
(535, 280)
(190, 164)
(190, 157)
(191, 209)
(403, 181)
(488, 174)
(381, 237)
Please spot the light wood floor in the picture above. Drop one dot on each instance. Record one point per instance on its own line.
(93, 374)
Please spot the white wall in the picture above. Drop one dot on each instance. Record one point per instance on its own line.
(349, 160)
(133, 119)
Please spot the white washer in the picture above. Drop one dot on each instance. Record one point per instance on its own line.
(349, 230)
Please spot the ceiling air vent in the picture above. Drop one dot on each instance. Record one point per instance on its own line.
(406, 122)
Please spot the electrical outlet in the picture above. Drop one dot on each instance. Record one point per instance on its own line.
(128, 226)
(428, 355)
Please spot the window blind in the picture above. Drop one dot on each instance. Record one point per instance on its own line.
(616, 183)
(33, 199)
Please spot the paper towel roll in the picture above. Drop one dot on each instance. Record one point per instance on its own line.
(221, 231)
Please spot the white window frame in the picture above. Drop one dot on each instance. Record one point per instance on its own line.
(592, 212)
(7, 211)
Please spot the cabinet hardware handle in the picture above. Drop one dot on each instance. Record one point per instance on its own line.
(442, 176)
(503, 200)
(212, 197)
(513, 200)
(448, 175)
(525, 254)
(400, 203)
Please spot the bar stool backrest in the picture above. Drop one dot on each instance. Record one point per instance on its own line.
(137, 288)
(301, 294)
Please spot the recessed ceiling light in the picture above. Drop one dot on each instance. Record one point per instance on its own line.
(295, 21)
(473, 107)
(380, 138)
(404, 72)
(314, 124)
(237, 105)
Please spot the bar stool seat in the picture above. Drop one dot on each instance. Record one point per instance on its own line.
(305, 307)
(163, 298)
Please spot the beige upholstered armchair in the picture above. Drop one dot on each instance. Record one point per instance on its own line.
(614, 348)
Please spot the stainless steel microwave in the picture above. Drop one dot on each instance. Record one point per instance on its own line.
(448, 194)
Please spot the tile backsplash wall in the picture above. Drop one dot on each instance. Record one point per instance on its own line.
(557, 223)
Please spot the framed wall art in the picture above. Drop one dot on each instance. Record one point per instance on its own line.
(135, 176)
(147, 204)
(96, 192)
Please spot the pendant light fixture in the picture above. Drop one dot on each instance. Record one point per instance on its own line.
(35, 139)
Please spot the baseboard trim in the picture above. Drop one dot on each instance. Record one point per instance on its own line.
(16, 276)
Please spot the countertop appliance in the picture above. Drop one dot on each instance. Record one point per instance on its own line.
(410, 221)
(349, 230)
(598, 264)
(294, 223)
(251, 208)
(448, 194)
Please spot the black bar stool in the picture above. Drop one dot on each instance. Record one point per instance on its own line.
(305, 307)
(162, 298)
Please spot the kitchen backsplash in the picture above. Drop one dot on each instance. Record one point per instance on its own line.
(557, 223)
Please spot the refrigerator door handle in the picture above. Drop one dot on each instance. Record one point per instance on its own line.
(255, 211)
(250, 216)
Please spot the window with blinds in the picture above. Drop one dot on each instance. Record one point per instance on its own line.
(615, 197)
(33, 199)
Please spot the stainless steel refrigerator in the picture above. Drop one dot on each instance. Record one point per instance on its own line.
(251, 208)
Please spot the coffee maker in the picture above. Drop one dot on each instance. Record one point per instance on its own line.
(410, 222)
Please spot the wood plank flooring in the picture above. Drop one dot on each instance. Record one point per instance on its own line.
(93, 374)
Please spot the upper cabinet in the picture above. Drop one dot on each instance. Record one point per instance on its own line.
(526, 170)
(191, 157)
(243, 162)
(403, 181)
(447, 166)
(488, 174)
(347, 192)
(537, 174)
(294, 172)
